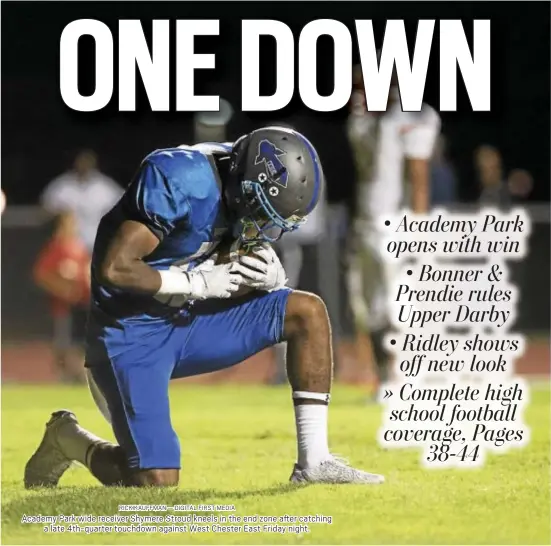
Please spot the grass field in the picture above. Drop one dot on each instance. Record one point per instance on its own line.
(238, 448)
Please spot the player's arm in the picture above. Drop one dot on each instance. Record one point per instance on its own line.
(419, 144)
(419, 177)
(123, 264)
(151, 212)
(124, 267)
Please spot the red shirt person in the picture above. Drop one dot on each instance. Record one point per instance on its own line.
(62, 270)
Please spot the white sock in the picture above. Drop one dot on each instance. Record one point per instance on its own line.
(311, 421)
(77, 443)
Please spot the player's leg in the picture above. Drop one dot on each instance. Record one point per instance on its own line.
(307, 331)
(242, 329)
(80, 319)
(381, 198)
(65, 442)
(131, 390)
(378, 278)
(291, 252)
(375, 292)
(134, 399)
(61, 345)
(360, 282)
(68, 342)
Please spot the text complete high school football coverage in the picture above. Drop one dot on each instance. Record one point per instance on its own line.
(292, 52)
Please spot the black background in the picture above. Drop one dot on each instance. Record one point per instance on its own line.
(40, 133)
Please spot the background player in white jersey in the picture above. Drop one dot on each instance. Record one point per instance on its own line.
(392, 152)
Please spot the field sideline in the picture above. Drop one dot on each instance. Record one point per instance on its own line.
(238, 447)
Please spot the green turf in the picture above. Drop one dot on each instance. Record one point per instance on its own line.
(238, 448)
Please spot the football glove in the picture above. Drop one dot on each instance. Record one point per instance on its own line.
(263, 270)
(205, 281)
(214, 281)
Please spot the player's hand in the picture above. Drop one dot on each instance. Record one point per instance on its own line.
(207, 265)
(215, 281)
(263, 270)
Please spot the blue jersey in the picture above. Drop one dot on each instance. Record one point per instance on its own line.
(177, 194)
(136, 344)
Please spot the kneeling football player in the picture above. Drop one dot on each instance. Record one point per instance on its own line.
(159, 298)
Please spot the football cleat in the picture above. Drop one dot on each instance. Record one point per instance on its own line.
(48, 463)
(335, 471)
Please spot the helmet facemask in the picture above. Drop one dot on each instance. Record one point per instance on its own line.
(259, 221)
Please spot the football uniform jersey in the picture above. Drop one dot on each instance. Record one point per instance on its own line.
(381, 146)
(177, 194)
(136, 344)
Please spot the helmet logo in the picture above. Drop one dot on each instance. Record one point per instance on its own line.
(269, 154)
(273, 191)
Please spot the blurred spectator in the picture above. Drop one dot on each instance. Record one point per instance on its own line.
(443, 178)
(385, 145)
(62, 270)
(520, 184)
(2, 201)
(212, 126)
(491, 181)
(85, 192)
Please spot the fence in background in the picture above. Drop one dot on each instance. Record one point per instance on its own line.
(25, 311)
